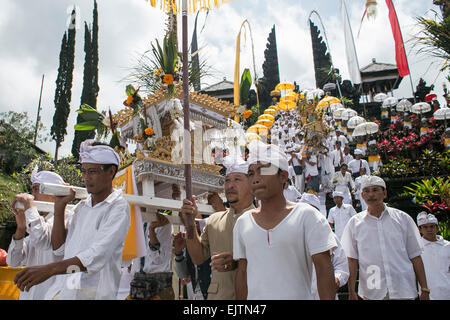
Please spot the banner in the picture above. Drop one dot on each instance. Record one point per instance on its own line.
(350, 50)
(400, 53)
(134, 242)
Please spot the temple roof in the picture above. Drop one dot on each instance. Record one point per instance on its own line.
(220, 86)
(377, 67)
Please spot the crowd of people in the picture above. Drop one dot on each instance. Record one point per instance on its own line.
(271, 238)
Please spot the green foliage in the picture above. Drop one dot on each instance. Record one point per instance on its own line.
(90, 79)
(433, 39)
(429, 190)
(271, 72)
(430, 163)
(244, 88)
(9, 187)
(16, 136)
(63, 92)
(94, 121)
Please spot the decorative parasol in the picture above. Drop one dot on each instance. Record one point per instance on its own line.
(270, 111)
(348, 113)
(404, 105)
(365, 129)
(354, 121)
(390, 102)
(286, 105)
(442, 114)
(380, 97)
(420, 107)
(328, 100)
(337, 114)
(285, 86)
(430, 97)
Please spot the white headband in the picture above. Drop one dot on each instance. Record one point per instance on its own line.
(45, 177)
(424, 218)
(234, 163)
(99, 154)
(367, 181)
(268, 153)
(311, 199)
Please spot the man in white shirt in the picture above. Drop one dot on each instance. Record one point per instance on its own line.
(358, 163)
(362, 203)
(347, 156)
(339, 215)
(343, 182)
(340, 137)
(386, 245)
(312, 178)
(291, 193)
(93, 239)
(338, 156)
(339, 259)
(277, 243)
(435, 256)
(34, 249)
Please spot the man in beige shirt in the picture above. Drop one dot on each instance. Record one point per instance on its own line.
(216, 240)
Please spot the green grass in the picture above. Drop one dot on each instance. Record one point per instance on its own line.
(9, 187)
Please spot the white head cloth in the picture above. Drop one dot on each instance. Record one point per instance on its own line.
(310, 199)
(268, 153)
(45, 177)
(338, 194)
(424, 218)
(99, 154)
(234, 163)
(358, 151)
(367, 181)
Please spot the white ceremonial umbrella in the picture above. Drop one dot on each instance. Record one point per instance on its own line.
(380, 97)
(389, 102)
(337, 114)
(365, 128)
(442, 114)
(420, 107)
(404, 105)
(348, 113)
(310, 94)
(354, 121)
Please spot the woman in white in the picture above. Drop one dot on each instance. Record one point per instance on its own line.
(341, 181)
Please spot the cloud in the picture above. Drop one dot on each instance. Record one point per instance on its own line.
(31, 33)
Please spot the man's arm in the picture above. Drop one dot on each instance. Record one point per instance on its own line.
(194, 245)
(32, 276)
(419, 270)
(240, 283)
(59, 231)
(353, 268)
(326, 285)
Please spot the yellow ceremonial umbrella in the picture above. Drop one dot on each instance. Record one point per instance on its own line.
(270, 111)
(286, 105)
(285, 86)
(259, 129)
(265, 122)
(288, 98)
(267, 116)
(252, 136)
(328, 100)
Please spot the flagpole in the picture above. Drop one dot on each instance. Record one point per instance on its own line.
(187, 135)
(403, 43)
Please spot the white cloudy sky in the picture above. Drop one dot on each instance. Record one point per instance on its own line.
(31, 33)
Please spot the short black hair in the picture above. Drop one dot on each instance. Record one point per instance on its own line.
(109, 165)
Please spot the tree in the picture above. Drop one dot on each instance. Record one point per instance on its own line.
(322, 59)
(422, 90)
(63, 92)
(271, 72)
(90, 79)
(16, 136)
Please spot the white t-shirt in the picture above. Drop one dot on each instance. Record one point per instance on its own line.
(340, 216)
(384, 248)
(355, 165)
(291, 194)
(279, 263)
(436, 261)
(309, 169)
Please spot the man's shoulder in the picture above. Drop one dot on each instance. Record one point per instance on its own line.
(217, 216)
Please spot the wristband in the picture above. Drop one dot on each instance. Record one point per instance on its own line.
(425, 290)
